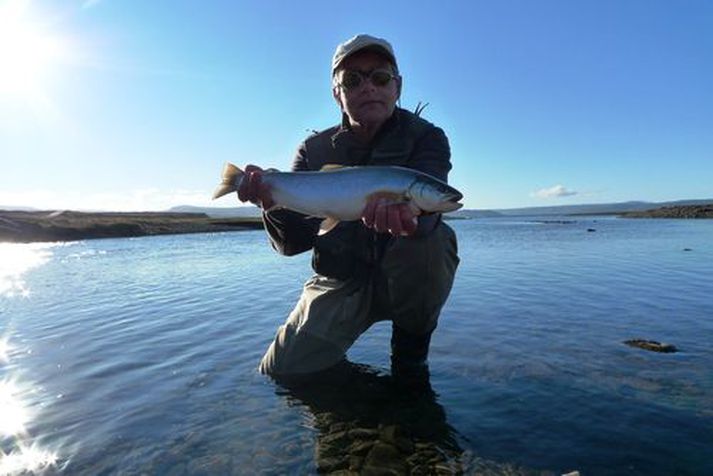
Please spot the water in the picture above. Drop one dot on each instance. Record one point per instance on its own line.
(139, 356)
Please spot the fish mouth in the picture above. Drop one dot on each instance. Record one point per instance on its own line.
(452, 199)
(451, 206)
(455, 196)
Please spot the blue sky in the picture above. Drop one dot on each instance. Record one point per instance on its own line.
(135, 105)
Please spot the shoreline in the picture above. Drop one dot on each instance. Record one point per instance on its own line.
(680, 212)
(66, 225)
(18, 226)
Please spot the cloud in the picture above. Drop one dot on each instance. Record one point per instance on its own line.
(556, 191)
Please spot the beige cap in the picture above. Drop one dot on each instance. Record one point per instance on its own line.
(361, 42)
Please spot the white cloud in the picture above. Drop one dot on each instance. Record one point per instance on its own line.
(556, 191)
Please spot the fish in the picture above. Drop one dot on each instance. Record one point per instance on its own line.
(339, 193)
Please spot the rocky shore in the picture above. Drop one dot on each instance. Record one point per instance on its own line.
(38, 226)
(684, 211)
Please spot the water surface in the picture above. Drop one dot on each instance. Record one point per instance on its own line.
(139, 355)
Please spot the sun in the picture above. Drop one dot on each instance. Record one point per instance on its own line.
(28, 52)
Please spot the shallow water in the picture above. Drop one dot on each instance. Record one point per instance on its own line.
(139, 355)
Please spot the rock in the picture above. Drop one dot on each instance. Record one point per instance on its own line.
(338, 427)
(355, 463)
(444, 469)
(337, 438)
(420, 470)
(331, 464)
(363, 434)
(389, 433)
(404, 444)
(651, 345)
(360, 448)
(384, 459)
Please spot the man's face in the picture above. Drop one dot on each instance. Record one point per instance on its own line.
(367, 104)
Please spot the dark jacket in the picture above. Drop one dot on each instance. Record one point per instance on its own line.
(351, 248)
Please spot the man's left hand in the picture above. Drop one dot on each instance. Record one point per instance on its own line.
(387, 216)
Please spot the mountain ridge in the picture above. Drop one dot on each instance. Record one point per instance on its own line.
(613, 208)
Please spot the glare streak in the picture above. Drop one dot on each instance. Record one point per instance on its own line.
(15, 261)
(26, 459)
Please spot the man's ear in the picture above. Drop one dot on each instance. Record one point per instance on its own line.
(399, 85)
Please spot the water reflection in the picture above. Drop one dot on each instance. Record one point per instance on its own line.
(15, 260)
(20, 453)
(369, 420)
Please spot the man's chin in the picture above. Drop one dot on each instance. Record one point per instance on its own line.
(373, 112)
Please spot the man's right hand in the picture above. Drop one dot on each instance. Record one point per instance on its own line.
(252, 189)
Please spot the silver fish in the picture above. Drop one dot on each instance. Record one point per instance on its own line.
(339, 193)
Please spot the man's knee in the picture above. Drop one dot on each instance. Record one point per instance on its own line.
(298, 353)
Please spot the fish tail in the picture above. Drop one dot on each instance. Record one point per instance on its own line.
(231, 180)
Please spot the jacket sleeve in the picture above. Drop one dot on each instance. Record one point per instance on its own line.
(431, 155)
(290, 232)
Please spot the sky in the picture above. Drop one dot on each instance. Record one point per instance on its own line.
(136, 105)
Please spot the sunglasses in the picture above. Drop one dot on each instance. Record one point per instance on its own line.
(352, 79)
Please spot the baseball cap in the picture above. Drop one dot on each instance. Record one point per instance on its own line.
(359, 43)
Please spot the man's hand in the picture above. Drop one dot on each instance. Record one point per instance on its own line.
(384, 215)
(252, 189)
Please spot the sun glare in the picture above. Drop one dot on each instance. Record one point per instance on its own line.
(16, 260)
(26, 460)
(28, 52)
(13, 414)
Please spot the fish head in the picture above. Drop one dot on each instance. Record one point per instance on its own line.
(433, 195)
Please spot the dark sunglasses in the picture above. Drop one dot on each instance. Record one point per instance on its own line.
(351, 79)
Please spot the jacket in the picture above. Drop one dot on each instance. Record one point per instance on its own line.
(351, 249)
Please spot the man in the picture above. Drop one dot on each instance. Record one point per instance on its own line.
(391, 265)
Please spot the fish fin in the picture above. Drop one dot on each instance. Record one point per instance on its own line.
(327, 225)
(231, 179)
(223, 189)
(329, 167)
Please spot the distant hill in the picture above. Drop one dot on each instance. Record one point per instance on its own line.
(585, 209)
(680, 211)
(473, 213)
(18, 209)
(219, 212)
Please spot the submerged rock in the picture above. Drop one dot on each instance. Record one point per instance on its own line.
(651, 345)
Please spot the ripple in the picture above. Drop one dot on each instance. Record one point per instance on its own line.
(153, 345)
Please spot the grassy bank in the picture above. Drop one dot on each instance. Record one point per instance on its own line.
(38, 226)
(686, 211)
